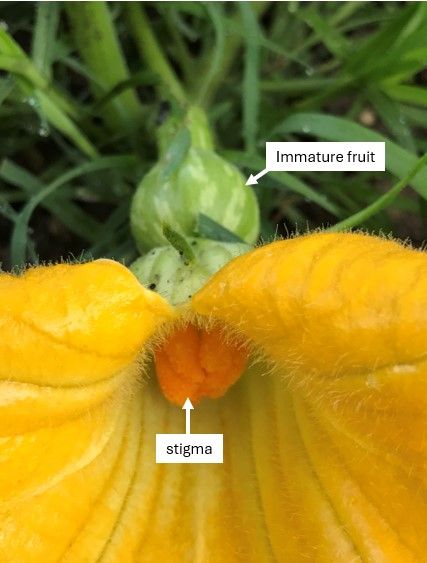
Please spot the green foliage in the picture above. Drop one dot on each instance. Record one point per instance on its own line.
(84, 85)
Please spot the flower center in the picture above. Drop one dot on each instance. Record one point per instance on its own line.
(197, 362)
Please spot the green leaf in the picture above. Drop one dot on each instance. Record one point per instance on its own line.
(116, 223)
(7, 210)
(63, 123)
(398, 160)
(176, 152)
(389, 43)
(19, 236)
(336, 43)
(44, 36)
(250, 90)
(72, 216)
(53, 106)
(216, 14)
(392, 116)
(6, 87)
(382, 202)
(408, 94)
(208, 228)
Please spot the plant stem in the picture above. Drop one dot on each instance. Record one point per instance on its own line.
(216, 15)
(231, 47)
(97, 42)
(151, 51)
(185, 59)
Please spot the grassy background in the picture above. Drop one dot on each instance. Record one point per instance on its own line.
(84, 85)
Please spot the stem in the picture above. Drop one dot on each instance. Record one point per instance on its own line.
(380, 203)
(150, 50)
(184, 59)
(231, 47)
(216, 54)
(97, 42)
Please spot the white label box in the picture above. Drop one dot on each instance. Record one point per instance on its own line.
(325, 156)
(189, 448)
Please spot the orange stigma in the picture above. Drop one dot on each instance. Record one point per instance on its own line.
(196, 363)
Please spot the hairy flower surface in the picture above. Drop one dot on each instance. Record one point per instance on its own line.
(325, 429)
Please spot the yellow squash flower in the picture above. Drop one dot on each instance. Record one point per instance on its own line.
(325, 432)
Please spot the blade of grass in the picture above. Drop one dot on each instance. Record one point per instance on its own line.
(416, 116)
(208, 228)
(398, 160)
(216, 15)
(6, 210)
(344, 11)
(143, 77)
(382, 57)
(6, 87)
(408, 94)
(151, 51)
(384, 43)
(77, 220)
(53, 107)
(382, 202)
(297, 85)
(392, 116)
(250, 87)
(107, 234)
(233, 42)
(56, 117)
(19, 235)
(268, 44)
(182, 54)
(14, 59)
(42, 52)
(334, 41)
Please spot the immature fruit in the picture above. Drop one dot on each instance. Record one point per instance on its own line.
(173, 276)
(189, 179)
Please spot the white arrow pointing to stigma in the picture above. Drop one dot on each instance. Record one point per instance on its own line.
(188, 407)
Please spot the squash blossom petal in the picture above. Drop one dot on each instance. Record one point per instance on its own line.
(318, 348)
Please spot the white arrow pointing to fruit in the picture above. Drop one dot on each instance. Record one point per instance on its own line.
(254, 179)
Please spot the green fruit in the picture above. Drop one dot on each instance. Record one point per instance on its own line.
(188, 180)
(170, 274)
